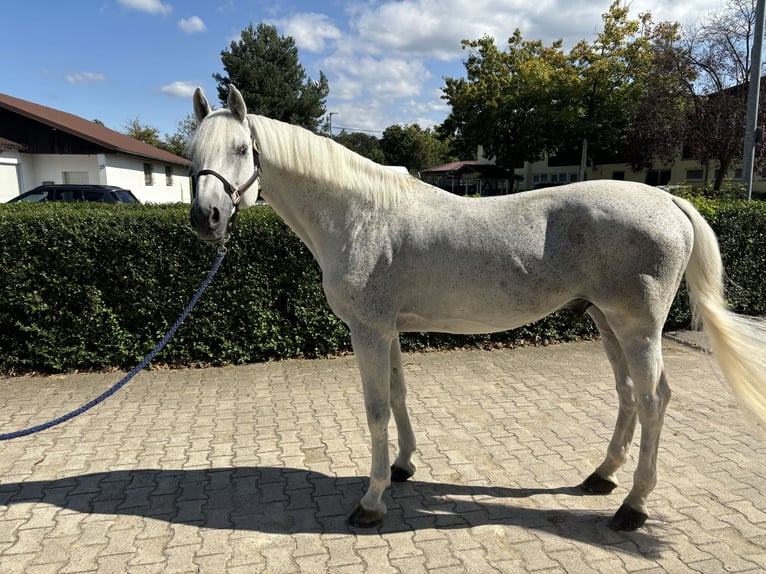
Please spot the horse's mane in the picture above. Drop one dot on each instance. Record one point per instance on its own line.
(297, 150)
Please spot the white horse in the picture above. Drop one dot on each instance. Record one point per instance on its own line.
(399, 255)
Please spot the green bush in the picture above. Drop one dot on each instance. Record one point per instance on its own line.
(88, 286)
(95, 287)
(741, 229)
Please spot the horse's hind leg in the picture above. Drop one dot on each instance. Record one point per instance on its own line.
(403, 468)
(604, 480)
(644, 355)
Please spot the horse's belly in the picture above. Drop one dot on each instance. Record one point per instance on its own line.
(466, 324)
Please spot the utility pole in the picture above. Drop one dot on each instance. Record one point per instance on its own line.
(753, 95)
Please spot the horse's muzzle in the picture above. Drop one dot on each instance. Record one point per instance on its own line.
(209, 223)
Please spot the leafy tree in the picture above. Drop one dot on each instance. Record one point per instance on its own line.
(177, 142)
(147, 134)
(660, 121)
(512, 102)
(720, 51)
(531, 99)
(413, 147)
(266, 69)
(363, 144)
(612, 73)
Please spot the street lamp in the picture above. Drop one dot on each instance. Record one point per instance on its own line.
(753, 95)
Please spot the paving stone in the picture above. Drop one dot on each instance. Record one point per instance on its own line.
(256, 467)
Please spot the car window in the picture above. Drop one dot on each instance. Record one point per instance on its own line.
(125, 197)
(67, 195)
(95, 196)
(41, 195)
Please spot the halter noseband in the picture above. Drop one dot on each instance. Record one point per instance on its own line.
(234, 193)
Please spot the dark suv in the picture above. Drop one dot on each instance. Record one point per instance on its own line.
(64, 192)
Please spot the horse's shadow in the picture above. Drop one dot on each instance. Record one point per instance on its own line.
(288, 501)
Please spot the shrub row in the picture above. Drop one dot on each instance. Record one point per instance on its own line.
(95, 287)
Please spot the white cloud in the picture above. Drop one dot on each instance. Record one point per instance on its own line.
(192, 25)
(386, 77)
(435, 105)
(434, 28)
(364, 115)
(310, 30)
(385, 67)
(84, 78)
(150, 6)
(179, 89)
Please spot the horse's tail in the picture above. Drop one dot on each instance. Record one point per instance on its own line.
(738, 343)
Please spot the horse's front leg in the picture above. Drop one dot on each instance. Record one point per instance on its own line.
(403, 468)
(372, 350)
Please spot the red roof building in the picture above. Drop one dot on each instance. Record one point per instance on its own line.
(41, 145)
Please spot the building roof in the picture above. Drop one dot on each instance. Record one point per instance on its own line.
(88, 130)
(447, 167)
(6, 144)
(471, 169)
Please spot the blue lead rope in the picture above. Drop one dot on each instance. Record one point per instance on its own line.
(140, 367)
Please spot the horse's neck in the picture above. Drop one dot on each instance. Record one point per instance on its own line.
(318, 215)
(323, 192)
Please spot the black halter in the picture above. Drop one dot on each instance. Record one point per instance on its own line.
(234, 193)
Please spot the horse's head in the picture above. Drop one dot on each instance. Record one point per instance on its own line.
(225, 165)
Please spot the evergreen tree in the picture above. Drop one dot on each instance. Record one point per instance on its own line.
(265, 68)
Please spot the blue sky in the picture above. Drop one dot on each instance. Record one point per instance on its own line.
(119, 60)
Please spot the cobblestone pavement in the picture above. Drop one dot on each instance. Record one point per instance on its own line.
(254, 469)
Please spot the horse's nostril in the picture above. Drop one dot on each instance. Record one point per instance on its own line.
(215, 215)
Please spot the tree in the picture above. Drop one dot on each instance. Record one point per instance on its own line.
(364, 144)
(147, 134)
(720, 51)
(660, 124)
(531, 100)
(612, 73)
(266, 69)
(177, 142)
(512, 102)
(413, 147)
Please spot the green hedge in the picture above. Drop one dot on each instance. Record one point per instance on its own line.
(94, 287)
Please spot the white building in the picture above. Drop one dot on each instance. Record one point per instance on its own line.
(41, 145)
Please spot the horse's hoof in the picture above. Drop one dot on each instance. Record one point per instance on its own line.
(399, 474)
(627, 518)
(595, 484)
(362, 518)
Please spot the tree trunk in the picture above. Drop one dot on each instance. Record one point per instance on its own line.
(723, 169)
(583, 160)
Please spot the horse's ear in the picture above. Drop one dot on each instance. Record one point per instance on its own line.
(236, 103)
(201, 107)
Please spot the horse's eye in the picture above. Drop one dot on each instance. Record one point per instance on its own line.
(242, 151)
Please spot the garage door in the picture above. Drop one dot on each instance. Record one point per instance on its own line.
(9, 181)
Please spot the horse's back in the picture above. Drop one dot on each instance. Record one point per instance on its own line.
(474, 265)
(561, 221)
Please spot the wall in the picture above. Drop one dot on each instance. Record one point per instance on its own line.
(128, 172)
(678, 174)
(48, 167)
(10, 174)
